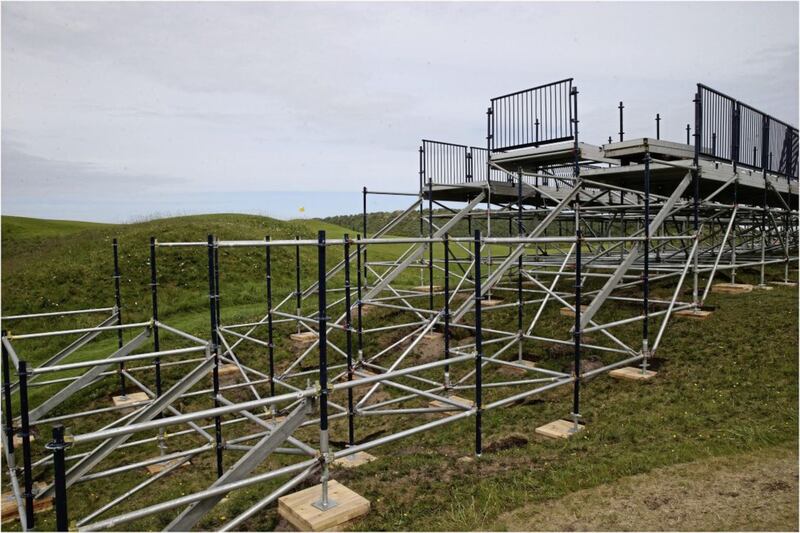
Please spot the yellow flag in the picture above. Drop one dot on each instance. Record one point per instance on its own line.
(302, 209)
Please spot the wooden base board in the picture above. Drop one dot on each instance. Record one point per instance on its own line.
(18, 441)
(763, 288)
(696, 314)
(438, 404)
(491, 302)
(229, 374)
(298, 508)
(306, 337)
(426, 288)
(566, 311)
(365, 308)
(135, 397)
(559, 429)
(10, 511)
(784, 283)
(731, 288)
(632, 373)
(160, 467)
(354, 460)
(433, 336)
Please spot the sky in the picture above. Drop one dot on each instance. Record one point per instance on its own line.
(117, 112)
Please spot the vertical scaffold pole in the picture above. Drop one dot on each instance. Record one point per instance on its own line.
(8, 415)
(520, 232)
(576, 171)
(217, 299)
(154, 299)
(60, 477)
(698, 131)
(446, 246)
(359, 323)
(324, 503)
(118, 306)
(270, 332)
(646, 273)
(348, 322)
(478, 347)
(26, 442)
(215, 348)
(430, 245)
(364, 231)
(298, 297)
(621, 130)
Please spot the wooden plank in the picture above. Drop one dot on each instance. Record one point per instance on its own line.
(9, 510)
(731, 288)
(559, 429)
(491, 302)
(299, 511)
(433, 336)
(306, 337)
(134, 397)
(354, 460)
(158, 467)
(229, 374)
(784, 283)
(438, 404)
(426, 288)
(566, 311)
(696, 314)
(632, 373)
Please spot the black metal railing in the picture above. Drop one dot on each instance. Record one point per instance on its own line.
(533, 117)
(735, 132)
(451, 164)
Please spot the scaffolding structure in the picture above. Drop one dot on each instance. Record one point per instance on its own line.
(621, 237)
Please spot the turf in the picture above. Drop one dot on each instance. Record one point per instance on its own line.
(725, 386)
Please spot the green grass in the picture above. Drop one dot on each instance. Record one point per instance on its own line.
(726, 385)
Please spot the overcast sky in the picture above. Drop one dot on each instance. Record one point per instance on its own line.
(117, 111)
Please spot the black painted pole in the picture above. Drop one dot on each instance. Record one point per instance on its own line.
(688, 134)
(364, 229)
(58, 446)
(270, 331)
(519, 264)
(298, 303)
(8, 413)
(478, 346)
(658, 126)
(646, 274)
(360, 316)
(446, 244)
(118, 305)
(154, 298)
(621, 130)
(322, 319)
(215, 348)
(349, 336)
(26, 442)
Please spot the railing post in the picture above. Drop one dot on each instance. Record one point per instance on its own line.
(688, 134)
(735, 129)
(324, 503)
(621, 130)
(118, 308)
(478, 347)
(26, 442)
(364, 232)
(58, 446)
(658, 126)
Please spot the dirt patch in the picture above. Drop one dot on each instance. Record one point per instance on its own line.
(505, 443)
(714, 494)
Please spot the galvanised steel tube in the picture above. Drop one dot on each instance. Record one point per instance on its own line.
(270, 324)
(118, 306)
(349, 340)
(478, 346)
(255, 404)
(74, 331)
(105, 525)
(100, 362)
(26, 442)
(59, 313)
(154, 303)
